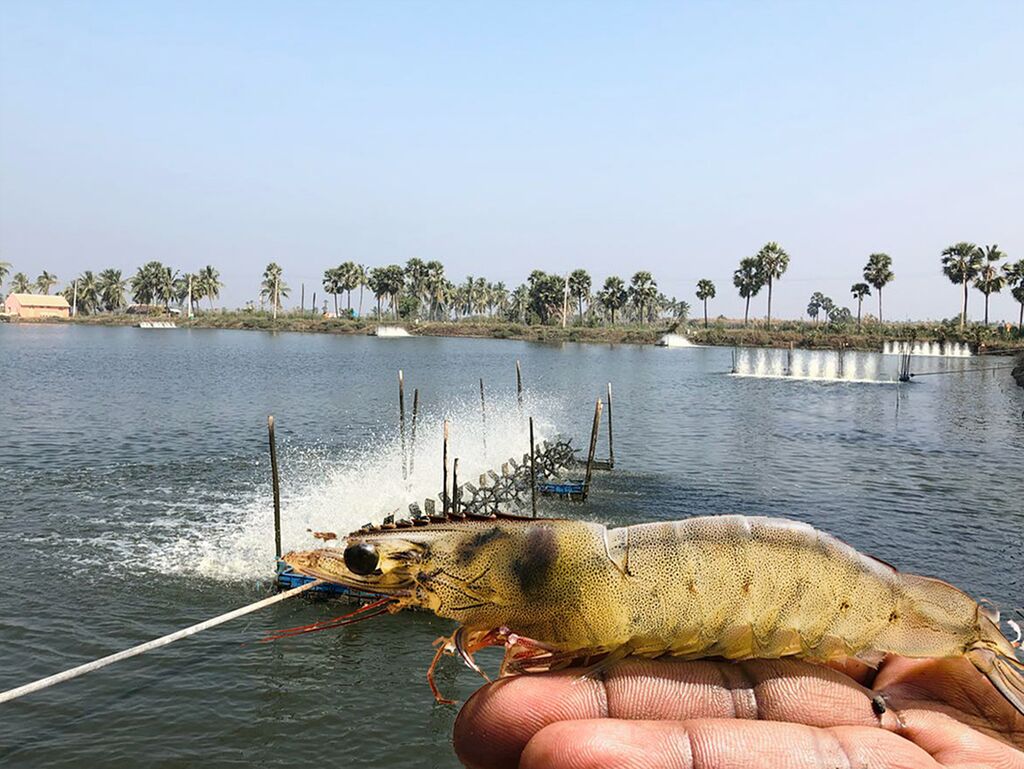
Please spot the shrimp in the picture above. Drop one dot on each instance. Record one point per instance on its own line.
(556, 593)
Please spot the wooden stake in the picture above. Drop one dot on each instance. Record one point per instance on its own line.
(593, 447)
(444, 471)
(455, 486)
(519, 386)
(401, 422)
(611, 444)
(275, 481)
(412, 438)
(533, 468)
(483, 414)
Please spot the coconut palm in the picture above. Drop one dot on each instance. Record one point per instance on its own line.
(149, 284)
(989, 281)
(111, 287)
(613, 295)
(273, 288)
(643, 291)
(773, 261)
(859, 291)
(749, 280)
(209, 284)
(45, 282)
(705, 291)
(88, 293)
(20, 284)
(878, 272)
(499, 298)
(5, 270)
(518, 301)
(579, 288)
(961, 263)
(1014, 274)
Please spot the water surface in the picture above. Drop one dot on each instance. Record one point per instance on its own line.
(134, 500)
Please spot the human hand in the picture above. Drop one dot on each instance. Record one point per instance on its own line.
(669, 714)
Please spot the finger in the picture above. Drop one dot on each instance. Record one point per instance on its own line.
(717, 744)
(500, 719)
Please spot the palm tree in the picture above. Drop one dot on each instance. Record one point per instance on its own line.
(273, 287)
(814, 306)
(989, 281)
(1014, 274)
(961, 263)
(643, 291)
(394, 283)
(376, 281)
(499, 298)
(45, 282)
(20, 284)
(878, 272)
(209, 283)
(859, 291)
(416, 279)
(148, 283)
(5, 270)
(705, 291)
(88, 293)
(772, 261)
(334, 284)
(359, 276)
(519, 300)
(613, 295)
(434, 286)
(111, 287)
(749, 280)
(579, 288)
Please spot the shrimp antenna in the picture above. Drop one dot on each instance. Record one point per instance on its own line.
(367, 611)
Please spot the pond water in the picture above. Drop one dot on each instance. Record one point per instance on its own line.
(135, 500)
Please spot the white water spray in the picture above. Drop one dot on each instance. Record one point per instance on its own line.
(340, 494)
(390, 332)
(809, 365)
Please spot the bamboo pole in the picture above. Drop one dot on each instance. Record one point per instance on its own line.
(401, 422)
(593, 447)
(455, 486)
(444, 471)
(275, 482)
(483, 415)
(156, 643)
(519, 386)
(412, 437)
(611, 444)
(533, 471)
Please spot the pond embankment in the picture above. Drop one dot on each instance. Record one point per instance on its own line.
(785, 333)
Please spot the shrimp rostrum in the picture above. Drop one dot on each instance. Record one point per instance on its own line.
(556, 593)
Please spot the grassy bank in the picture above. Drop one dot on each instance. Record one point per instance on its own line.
(801, 334)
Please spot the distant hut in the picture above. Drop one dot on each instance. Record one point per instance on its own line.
(29, 306)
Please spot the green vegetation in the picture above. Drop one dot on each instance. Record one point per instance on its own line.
(421, 294)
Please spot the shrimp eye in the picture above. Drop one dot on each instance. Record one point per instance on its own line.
(361, 558)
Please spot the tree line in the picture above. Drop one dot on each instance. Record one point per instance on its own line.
(421, 289)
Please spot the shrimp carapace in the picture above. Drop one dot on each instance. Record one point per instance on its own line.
(560, 592)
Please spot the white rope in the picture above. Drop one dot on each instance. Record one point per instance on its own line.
(156, 643)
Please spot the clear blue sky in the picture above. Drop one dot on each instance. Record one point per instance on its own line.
(675, 137)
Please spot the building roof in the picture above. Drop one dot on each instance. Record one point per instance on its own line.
(40, 300)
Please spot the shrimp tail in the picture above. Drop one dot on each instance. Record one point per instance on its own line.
(995, 657)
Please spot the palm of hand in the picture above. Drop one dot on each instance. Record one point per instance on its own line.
(763, 713)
